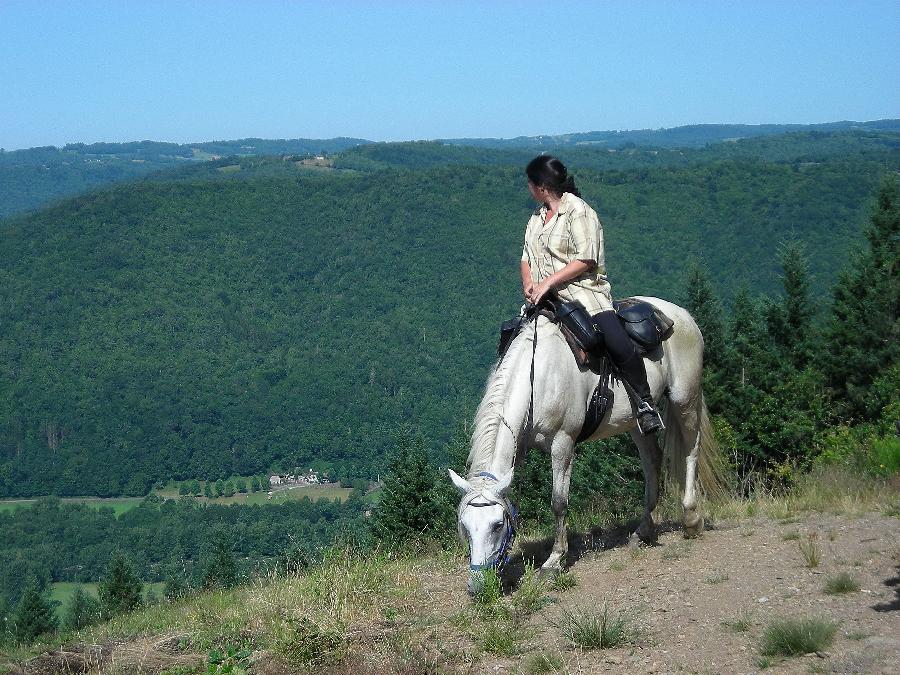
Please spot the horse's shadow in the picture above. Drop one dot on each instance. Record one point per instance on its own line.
(534, 553)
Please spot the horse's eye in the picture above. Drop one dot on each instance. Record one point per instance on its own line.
(497, 526)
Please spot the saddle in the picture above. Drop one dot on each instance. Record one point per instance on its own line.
(646, 326)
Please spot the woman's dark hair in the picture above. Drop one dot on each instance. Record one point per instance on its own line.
(548, 172)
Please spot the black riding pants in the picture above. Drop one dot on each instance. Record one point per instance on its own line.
(623, 352)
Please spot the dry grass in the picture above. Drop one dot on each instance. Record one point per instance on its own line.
(830, 489)
(810, 550)
(384, 612)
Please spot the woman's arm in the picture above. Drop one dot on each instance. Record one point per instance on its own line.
(571, 271)
(527, 283)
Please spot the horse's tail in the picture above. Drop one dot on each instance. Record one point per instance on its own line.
(680, 441)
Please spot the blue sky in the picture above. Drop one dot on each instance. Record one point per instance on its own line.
(90, 71)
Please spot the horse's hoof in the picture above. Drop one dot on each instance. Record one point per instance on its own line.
(646, 533)
(693, 527)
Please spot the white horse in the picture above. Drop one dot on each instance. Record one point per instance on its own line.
(560, 396)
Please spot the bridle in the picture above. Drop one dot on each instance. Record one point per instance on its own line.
(480, 498)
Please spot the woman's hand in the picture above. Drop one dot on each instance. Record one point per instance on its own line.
(539, 291)
(527, 283)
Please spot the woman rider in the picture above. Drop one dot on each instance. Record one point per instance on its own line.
(563, 253)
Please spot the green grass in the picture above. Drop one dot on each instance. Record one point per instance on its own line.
(62, 592)
(840, 584)
(603, 629)
(122, 504)
(563, 582)
(543, 662)
(796, 637)
(118, 504)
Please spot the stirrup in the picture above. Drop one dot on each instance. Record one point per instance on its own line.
(649, 420)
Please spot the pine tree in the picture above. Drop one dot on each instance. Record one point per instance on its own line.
(706, 308)
(83, 610)
(221, 567)
(411, 508)
(34, 616)
(790, 321)
(863, 336)
(120, 590)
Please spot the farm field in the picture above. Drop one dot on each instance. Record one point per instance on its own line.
(61, 592)
(123, 504)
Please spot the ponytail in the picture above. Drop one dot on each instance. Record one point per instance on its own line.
(550, 173)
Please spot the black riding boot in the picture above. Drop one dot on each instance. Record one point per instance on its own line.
(629, 362)
(649, 420)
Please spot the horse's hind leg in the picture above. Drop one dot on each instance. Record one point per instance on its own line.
(651, 463)
(561, 451)
(689, 428)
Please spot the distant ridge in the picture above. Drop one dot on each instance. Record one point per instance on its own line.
(691, 136)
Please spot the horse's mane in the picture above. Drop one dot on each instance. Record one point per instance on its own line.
(488, 415)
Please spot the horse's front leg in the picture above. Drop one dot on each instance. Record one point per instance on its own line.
(651, 463)
(561, 451)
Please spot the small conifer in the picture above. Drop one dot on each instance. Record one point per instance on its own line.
(120, 590)
(34, 615)
(83, 610)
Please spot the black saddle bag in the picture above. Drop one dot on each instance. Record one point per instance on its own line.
(643, 322)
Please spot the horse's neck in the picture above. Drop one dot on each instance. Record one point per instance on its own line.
(502, 417)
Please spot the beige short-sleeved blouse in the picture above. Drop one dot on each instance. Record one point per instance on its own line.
(573, 233)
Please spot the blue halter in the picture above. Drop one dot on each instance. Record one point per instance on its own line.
(501, 556)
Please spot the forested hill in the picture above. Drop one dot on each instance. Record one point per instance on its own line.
(246, 314)
(31, 178)
(690, 136)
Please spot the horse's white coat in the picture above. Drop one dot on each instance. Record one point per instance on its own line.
(561, 395)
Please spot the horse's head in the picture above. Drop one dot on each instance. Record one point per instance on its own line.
(486, 520)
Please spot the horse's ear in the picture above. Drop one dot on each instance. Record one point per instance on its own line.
(503, 483)
(461, 483)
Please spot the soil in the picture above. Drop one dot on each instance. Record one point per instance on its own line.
(700, 606)
(703, 605)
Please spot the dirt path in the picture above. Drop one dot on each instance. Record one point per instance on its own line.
(704, 604)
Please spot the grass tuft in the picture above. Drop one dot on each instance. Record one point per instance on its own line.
(740, 624)
(490, 590)
(810, 550)
(530, 596)
(841, 583)
(796, 637)
(543, 663)
(717, 578)
(563, 582)
(590, 629)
